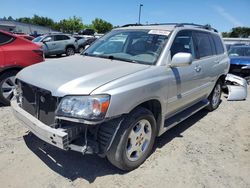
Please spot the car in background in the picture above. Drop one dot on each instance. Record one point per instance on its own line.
(15, 54)
(87, 32)
(57, 44)
(240, 60)
(82, 43)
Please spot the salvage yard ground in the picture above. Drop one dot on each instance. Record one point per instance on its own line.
(206, 150)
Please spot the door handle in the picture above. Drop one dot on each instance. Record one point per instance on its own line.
(197, 68)
(53, 44)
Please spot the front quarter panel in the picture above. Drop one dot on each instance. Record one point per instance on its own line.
(132, 90)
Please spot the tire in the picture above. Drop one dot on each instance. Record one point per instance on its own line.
(214, 97)
(134, 141)
(7, 86)
(70, 51)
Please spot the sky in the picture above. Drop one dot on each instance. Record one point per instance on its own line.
(221, 14)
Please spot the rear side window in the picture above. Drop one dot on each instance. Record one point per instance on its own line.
(203, 44)
(61, 37)
(4, 39)
(218, 44)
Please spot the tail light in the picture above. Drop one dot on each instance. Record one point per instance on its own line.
(39, 52)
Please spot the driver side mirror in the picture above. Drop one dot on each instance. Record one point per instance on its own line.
(181, 59)
(48, 39)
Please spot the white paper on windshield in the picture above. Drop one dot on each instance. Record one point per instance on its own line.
(159, 32)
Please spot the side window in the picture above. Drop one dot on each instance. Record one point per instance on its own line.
(183, 42)
(61, 37)
(4, 39)
(49, 38)
(203, 44)
(218, 44)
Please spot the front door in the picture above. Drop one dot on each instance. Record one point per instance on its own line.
(185, 84)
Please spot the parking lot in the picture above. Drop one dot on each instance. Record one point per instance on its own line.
(206, 150)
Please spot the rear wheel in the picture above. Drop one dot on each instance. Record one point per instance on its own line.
(214, 97)
(134, 141)
(70, 51)
(7, 86)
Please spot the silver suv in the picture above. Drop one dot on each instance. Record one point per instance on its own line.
(57, 44)
(129, 87)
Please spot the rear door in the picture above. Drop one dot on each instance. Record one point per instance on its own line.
(209, 60)
(5, 41)
(61, 43)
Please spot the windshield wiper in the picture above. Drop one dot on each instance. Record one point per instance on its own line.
(111, 57)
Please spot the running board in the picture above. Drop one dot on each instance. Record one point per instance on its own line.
(181, 116)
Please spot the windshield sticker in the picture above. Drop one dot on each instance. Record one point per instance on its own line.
(159, 32)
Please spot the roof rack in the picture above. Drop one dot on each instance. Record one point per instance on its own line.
(127, 25)
(207, 26)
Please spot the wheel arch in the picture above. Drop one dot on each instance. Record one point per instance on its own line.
(155, 106)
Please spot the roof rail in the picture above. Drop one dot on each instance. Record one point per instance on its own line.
(136, 24)
(207, 26)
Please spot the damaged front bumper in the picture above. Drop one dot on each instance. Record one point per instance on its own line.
(237, 87)
(98, 143)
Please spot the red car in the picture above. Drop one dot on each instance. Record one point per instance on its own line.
(26, 37)
(15, 54)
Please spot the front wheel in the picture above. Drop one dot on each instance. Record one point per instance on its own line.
(7, 86)
(70, 51)
(214, 97)
(134, 141)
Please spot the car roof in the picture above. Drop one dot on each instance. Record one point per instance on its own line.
(169, 27)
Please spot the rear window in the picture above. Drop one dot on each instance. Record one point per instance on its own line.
(4, 39)
(218, 44)
(203, 44)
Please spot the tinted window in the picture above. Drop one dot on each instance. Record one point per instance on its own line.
(218, 44)
(61, 37)
(203, 44)
(183, 43)
(5, 38)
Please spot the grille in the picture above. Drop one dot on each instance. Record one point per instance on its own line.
(39, 103)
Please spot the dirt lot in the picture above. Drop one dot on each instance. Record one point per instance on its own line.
(207, 150)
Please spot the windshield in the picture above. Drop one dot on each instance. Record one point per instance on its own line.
(137, 46)
(239, 51)
(37, 39)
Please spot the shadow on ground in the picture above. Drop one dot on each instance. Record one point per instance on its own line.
(73, 165)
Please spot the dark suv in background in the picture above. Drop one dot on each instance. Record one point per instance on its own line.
(57, 44)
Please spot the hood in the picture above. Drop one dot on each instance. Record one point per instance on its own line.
(240, 60)
(76, 75)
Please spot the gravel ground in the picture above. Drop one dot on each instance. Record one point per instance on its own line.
(206, 150)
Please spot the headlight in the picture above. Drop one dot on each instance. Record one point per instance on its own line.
(84, 107)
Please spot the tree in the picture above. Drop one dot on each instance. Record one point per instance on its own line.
(70, 25)
(243, 32)
(10, 18)
(101, 26)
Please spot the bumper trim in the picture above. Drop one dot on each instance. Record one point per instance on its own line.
(56, 137)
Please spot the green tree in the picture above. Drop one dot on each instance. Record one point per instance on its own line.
(70, 25)
(243, 32)
(101, 26)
